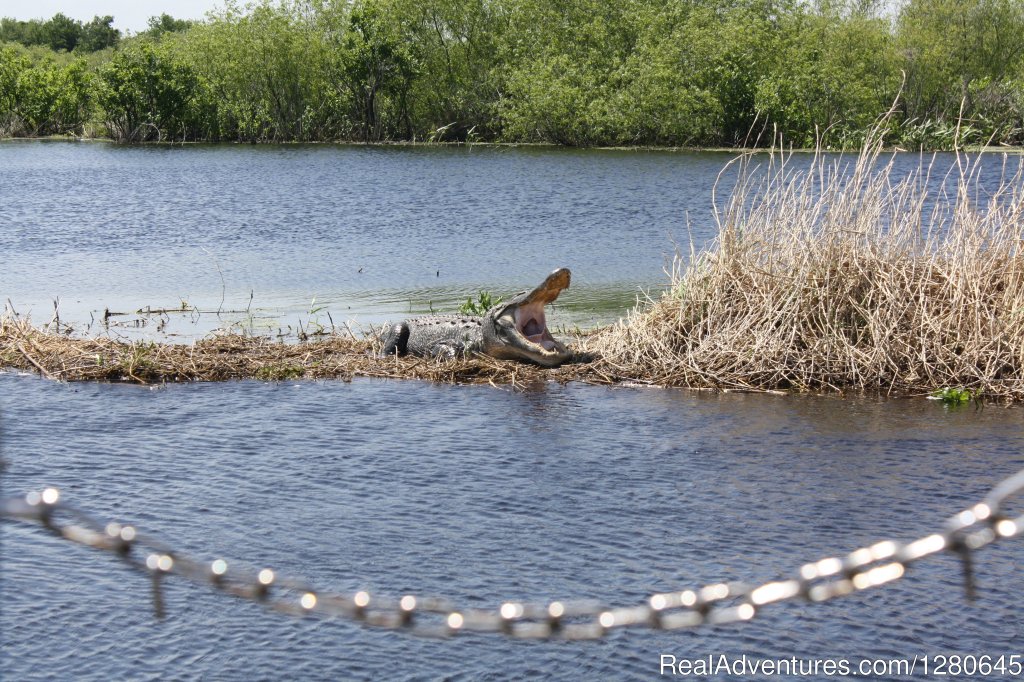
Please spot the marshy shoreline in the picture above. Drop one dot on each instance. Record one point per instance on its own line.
(1015, 150)
(222, 357)
(841, 276)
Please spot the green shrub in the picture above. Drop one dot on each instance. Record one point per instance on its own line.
(148, 93)
(44, 98)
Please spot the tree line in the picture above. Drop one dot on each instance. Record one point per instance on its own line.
(61, 32)
(574, 72)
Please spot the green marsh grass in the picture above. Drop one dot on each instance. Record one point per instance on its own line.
(484, 302)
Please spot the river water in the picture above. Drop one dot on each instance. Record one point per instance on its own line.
(478, 494)
(366, 232)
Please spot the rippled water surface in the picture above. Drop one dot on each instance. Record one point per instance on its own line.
(479, 494)
(483, 495)
(367, 232)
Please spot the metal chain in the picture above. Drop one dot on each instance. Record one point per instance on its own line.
(878, 564)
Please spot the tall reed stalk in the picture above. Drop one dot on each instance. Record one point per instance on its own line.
(844, 275)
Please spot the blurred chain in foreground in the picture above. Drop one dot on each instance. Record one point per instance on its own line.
(880, 563)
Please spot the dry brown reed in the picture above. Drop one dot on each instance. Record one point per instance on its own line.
(233, 356)
(843, 277)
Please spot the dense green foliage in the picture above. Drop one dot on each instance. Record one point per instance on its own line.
(576, 72)
(149, 92)
(165, 23)
(45, 98)
(62, 33)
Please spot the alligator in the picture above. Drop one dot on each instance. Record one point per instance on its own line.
(511, 330)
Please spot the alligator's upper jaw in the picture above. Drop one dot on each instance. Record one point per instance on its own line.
(548, 290)
(527, 335)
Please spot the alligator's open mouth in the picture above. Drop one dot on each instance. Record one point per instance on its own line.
(529, 315)
(530, 323)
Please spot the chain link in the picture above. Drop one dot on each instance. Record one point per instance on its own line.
(828, 578)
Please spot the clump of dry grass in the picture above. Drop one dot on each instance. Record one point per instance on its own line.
(838, 277)
(234, 356)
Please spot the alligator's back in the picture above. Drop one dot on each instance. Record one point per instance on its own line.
(434, 336)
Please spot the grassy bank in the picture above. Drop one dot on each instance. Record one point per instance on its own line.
(838, 279)
(93, 136)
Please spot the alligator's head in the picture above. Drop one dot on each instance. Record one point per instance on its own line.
(516, 329)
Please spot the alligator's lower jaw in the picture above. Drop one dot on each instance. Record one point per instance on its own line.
(545, 342)
(541, 349)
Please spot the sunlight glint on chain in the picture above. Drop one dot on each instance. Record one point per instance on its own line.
(864, 568)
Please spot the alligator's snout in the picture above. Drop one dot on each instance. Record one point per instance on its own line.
(518, 329)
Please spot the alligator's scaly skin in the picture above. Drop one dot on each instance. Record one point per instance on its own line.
(512, 330)
(444, 336)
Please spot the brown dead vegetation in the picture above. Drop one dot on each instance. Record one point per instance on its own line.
(220, 357)
(836, 279)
